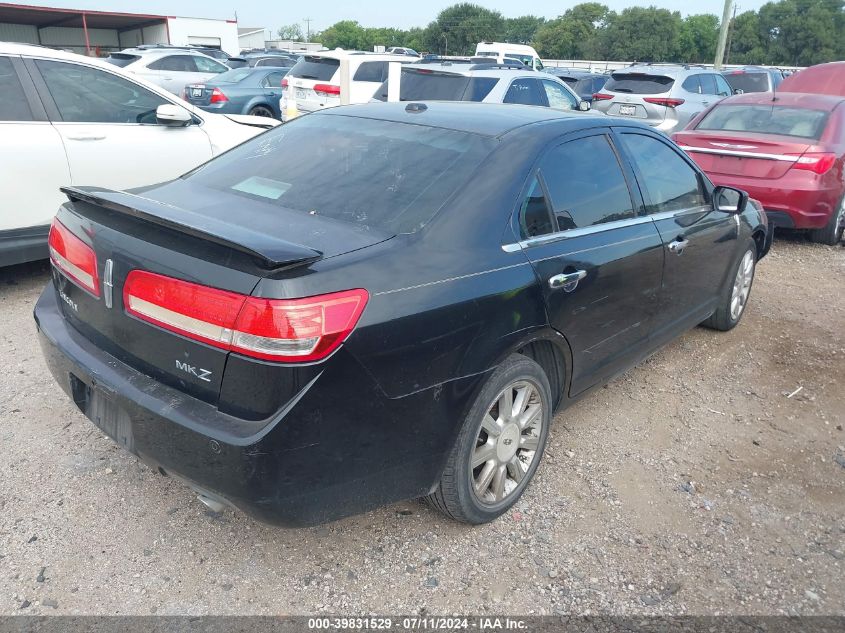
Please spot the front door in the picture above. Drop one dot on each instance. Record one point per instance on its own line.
(599, 260)
(109, 130)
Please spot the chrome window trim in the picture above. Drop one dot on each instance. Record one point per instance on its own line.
(550, 238)
(729, 152)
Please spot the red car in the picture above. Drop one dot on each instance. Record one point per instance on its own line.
(786, 150)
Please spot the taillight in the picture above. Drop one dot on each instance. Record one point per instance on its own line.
(819, 163)
(74, 258)
(284, 82)
(600, 96)
(664, 101)
(285, 330)
(327, 89)
(217, 96)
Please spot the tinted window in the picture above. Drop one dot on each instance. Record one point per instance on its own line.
(175, 63)
(318, 68)
(13, 104)
(417, 86)
(371, 71)
(748, 82)
(89, 95)
(273, 80)
(558, 96)
(708, 84)
(534, 216)
(668, 179)
(208, 65)
(766, 119)
(639, 84)
(722, 87)
(122, 59)
(380, 174)
(586, 184)
(692, 84)
(526, 92)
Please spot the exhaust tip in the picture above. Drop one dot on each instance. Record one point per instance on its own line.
(211, 504)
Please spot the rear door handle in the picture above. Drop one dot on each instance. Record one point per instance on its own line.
(678, 246)
(568, 279)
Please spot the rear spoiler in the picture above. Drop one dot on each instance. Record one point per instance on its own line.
(270, 252)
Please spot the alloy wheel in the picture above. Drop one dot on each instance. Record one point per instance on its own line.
(742, 285)
(507, 442)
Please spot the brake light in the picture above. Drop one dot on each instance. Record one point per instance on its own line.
(286, 330)
(327, 89)
(819, 163)
(600, 96)
(664, 101)
(217, 96)
(284, 82)
(74, 258)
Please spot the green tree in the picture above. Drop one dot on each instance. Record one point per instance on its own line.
(290, 32)
(459, 28)
(521, 30)
(344, 34)
(575, 34)
(747, 43)
(697, 39)
(645, 34)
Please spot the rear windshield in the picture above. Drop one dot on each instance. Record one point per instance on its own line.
(766, 119)
(434, 86)
(318, 68)
(233, 76)
(379, 174)
(121, 59)
(748, 82)
(639, 84)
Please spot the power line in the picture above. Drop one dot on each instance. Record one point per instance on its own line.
(307, 29)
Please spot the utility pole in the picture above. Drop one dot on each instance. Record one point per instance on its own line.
(723, 34)
(307, 29)
(731, 37)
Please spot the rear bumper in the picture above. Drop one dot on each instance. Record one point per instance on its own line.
(23, 245)
(340, 447)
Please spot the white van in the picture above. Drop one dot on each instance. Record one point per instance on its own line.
(526, 54)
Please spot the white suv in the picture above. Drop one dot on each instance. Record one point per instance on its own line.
(314, 81)
(170, 68)
(66, 119)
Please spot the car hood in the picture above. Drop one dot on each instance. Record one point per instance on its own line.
(253, 121)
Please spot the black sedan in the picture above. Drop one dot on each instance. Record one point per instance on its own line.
(395, 314)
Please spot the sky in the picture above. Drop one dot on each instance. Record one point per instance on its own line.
(395, 13)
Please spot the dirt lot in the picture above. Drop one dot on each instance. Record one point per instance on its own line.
(692, 484)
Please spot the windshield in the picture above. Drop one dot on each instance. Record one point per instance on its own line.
(748, 82)
(380, 174)
(121, 59)
(766, 119)
(419, 85)
(639, 83)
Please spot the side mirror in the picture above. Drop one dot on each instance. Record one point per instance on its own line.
(739, 91)
(173, 116)
(729, 200)
(584, 106)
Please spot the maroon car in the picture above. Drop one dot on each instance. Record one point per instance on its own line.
(786, 150)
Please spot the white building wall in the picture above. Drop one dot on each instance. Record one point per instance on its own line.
(252, 40)
(156, 34)
(184, 31)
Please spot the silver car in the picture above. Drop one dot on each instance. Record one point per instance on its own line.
(665, 96)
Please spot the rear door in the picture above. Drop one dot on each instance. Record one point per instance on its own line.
(699, 242)
(599, 260)
(32, 156)
(526, 91)
(174, 72)
(108, 126)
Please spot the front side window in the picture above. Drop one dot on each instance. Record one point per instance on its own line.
(586, 184)
(670, 182)
(722, 87)
(526, 92)
(273, 80)
(558, 96)
(13, 103)
(88, 95)
(207, 65)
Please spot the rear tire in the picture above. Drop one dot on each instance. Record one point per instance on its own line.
(262, 111)
(737, 291)
(499, 446)
(832, 233)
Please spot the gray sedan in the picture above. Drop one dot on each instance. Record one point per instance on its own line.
(253, 91)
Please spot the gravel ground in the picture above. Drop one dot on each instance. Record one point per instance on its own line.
(691, 485)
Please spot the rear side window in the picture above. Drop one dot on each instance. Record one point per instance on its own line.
(767, 119)
(639, 84)
(371, 71)
(89, 95)
(273, 80)
(708, 84)
(692, 84)
(13, 103)
(669, 181)
(433, 86)
(208, 65)
(317, 68)
(175, 63)
(122, 59)
(748, 82)
(535, 217)
(526, 92)
(374, 173)
(586, 184)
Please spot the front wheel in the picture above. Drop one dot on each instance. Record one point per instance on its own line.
(734, 297)
(499, 445)
(832, 233)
